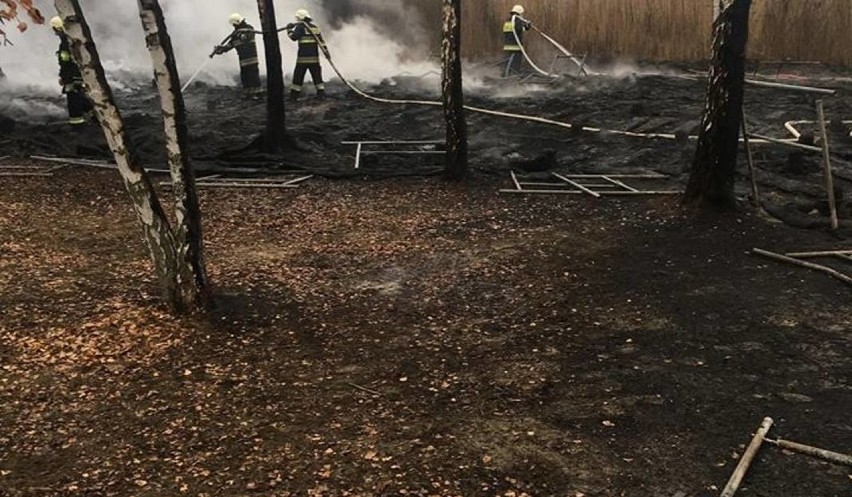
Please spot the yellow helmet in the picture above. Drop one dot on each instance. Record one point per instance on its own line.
(236, 19)
(302, 14)
(56, 23)
(518, 9)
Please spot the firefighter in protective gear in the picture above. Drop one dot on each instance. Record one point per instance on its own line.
(79, 106)
(513, 39)
(243, 40)
(309, 37)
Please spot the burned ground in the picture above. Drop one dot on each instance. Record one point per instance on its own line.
(410, 336)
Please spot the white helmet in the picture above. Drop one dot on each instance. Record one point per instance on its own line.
(518, 9)
(236, 19)
(302, 14)
(56, 23)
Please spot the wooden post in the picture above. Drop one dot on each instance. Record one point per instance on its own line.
(147, 206)
(747, 458)
(453, 95)
(826, 156)
(275, 132)
(191, 272)
(752, 172)
(714, 168)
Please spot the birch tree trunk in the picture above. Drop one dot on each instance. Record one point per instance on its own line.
(191, 273)
(155, 224)
(453, 95)
(274, 135)
(714, 166)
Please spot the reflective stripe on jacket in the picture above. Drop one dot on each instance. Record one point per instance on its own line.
(69, 73)
(306, 34)
(510, 44)
(243, 39)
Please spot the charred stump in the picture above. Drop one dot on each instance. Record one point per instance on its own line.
(191, 272)
(714, 167)
(453, 95)
(275, 133)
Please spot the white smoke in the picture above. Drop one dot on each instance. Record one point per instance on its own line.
(361, 47)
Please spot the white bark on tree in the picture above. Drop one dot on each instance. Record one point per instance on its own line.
(157, 231)
(190, 272)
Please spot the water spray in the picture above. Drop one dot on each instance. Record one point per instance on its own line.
(195, 75)
(209, 58)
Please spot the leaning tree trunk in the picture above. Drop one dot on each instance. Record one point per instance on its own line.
(273, 136)
(714, 167)
(456, 166)
(158, 235)
(191, 273)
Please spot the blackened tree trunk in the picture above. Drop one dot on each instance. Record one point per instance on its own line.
(456, 166)
(714, 167)
(191, 272)
(275, 133)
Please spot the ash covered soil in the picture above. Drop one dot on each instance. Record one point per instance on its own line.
(407, 336)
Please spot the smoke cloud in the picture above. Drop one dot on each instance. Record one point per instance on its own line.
(370, 40)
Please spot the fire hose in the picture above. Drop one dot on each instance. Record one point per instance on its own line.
(478, 110)
(583, 69)
(556, 44)
(524, 51)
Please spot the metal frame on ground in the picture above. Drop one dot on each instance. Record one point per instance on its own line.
(359, 148)
(284, 180)
(595, 185)
(28, 171)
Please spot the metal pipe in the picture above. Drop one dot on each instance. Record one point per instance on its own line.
(602, 194)
(577, 185)
(747, 458)
(358, 156)
(755, 195)
(403, 152)
(826, 156)
(827, 253)
(515, 180)
(619, 183)
(40, 175)
(394, 142)
(244, 185)
(823, 454)
(784, 86)
(785, 142)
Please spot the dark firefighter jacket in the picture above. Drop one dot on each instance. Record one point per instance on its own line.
(303, 33)
(510, 44)
(243, 39)
(69, 73)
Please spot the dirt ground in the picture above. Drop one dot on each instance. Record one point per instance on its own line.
(407, 336)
